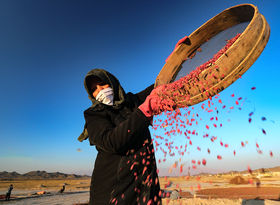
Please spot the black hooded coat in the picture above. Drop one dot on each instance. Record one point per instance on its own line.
(125, 169)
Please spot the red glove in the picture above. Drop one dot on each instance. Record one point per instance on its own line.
(155, 103)
(152, 103)
(177, 44)
(151, 106)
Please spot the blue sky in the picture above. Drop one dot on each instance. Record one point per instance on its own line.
(47, 47)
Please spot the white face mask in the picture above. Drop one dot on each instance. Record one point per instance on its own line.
(106, 96)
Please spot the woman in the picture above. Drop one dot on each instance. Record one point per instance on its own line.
(117, 124)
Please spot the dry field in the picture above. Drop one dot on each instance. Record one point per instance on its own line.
(193, 190)
(46, 185)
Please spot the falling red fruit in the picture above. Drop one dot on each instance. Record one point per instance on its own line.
(204, 162)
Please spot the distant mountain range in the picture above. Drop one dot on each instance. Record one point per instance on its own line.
(261, 170)
(39, 175)
(57, 175)
(274, 169)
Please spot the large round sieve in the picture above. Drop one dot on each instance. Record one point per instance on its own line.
(219, 71)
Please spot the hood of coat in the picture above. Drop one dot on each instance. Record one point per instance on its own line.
(108, 78)
(119, 94)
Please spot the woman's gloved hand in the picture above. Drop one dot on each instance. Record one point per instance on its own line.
(152, 104)
(182, 40)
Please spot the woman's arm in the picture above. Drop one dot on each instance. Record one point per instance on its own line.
(111, 138)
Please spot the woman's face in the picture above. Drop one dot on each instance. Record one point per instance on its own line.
(99, 87)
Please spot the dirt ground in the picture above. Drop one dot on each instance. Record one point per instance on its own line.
(241, 192)
(45, 185)
(216, 190)
(198, 201)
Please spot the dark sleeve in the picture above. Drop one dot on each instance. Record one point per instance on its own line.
(143, 94)
(115, 139)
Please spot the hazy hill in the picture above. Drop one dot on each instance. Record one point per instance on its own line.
(39, 175)
(274, 169)
(261, 170)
